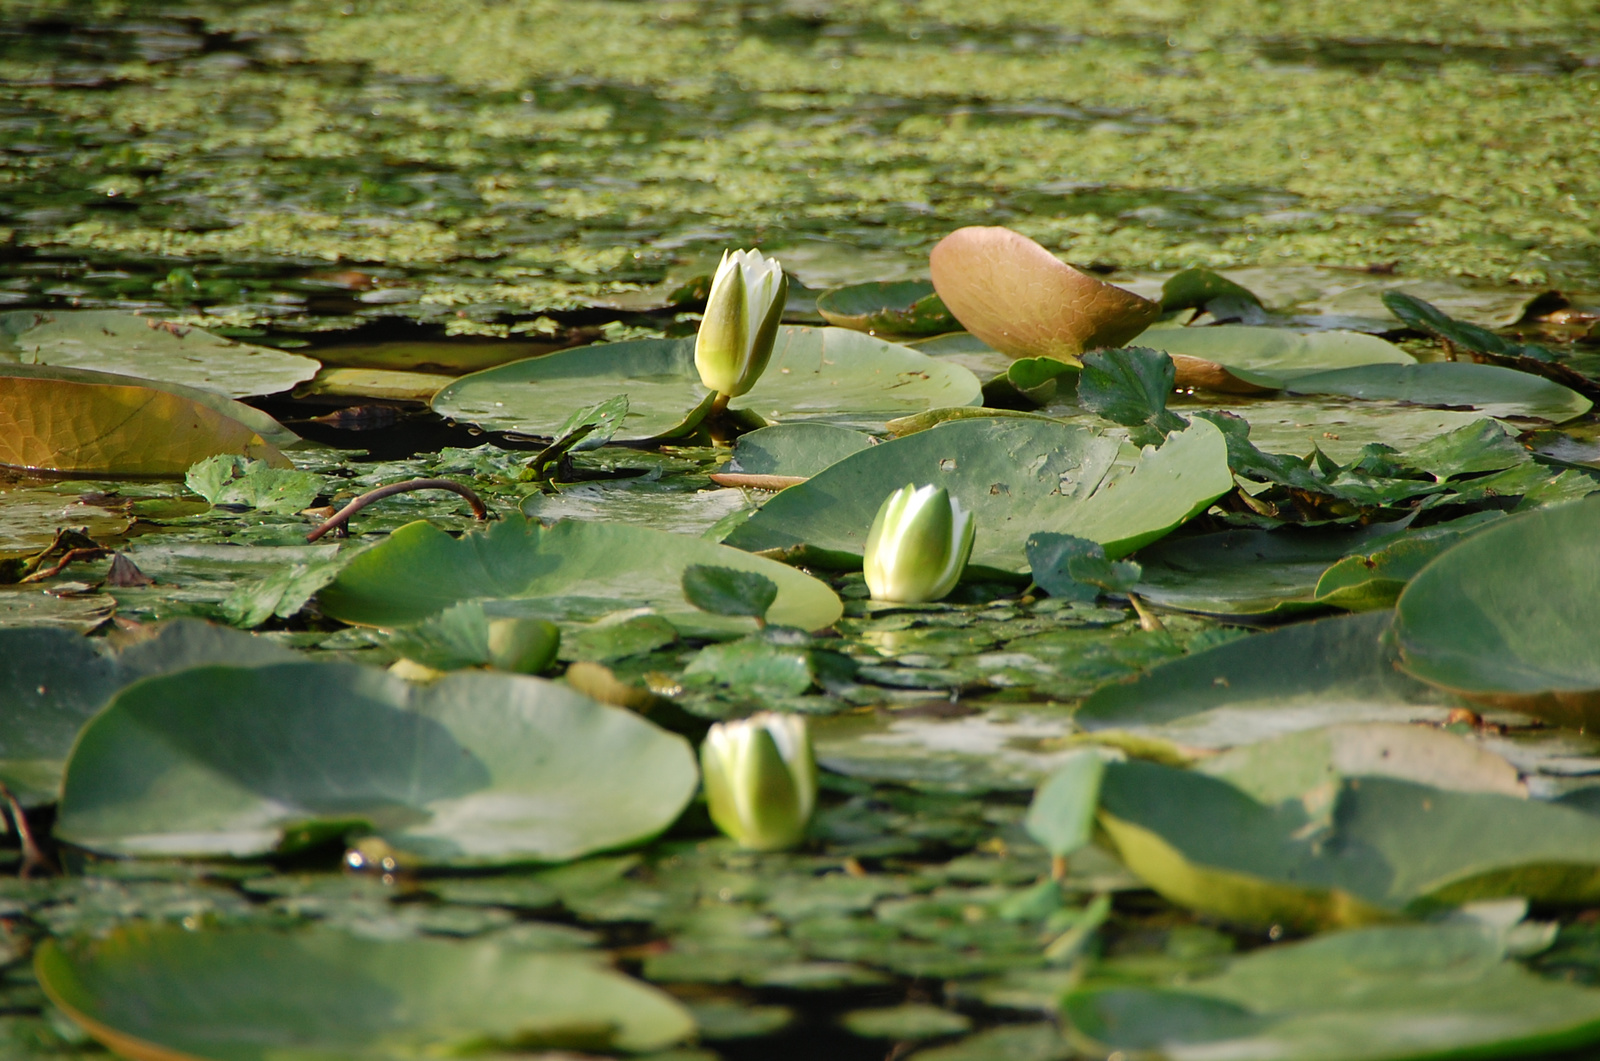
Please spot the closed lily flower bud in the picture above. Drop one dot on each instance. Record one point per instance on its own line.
(760, 779)
(740, 323)
(918, 545)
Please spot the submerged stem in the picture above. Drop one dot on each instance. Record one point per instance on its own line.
(341, 517)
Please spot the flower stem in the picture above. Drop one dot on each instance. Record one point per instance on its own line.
(341, 517)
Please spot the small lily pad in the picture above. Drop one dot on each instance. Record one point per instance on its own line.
(900, 307)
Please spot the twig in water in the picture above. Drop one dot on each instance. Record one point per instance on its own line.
(60, 565)
(341, 517)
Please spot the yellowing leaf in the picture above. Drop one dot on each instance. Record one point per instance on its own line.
(116, 429)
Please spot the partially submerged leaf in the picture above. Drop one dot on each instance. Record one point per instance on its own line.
(1508, 616)
(1374, 579)
(1255, 358)
(152, 993)
(901, 307)
(1024, 301)
(476, 768)
(85, 423)
(1203, 289)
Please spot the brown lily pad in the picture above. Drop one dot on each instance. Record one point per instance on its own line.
(1024, 301)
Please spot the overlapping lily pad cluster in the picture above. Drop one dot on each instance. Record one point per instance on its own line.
(875, 577)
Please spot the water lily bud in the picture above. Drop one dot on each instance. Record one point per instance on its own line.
(760, 779)
(523, 646)
(740, 323)
(918, 545)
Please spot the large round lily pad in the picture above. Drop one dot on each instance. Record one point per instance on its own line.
(113, 341)
(1508, 617)
(158, 994)
(53, 680)
(1017, 476)
(478, 768)
(566, 571)
(831, 375)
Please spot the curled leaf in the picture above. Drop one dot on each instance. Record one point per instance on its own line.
(1024, 301)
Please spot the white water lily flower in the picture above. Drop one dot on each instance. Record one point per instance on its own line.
(741, 322)
(760, 779)
(918, 545)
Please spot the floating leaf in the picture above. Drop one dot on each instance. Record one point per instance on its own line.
(1364, 849)
(799, 450)
(728, 591)
(149, 993)
(146, 348)
(84, 422)
(1507, 617)
(53, 680)
(1374, 579)
(572, 569)
(1242, 358)
(1296, 677)
(476, 768)
(830, 375)
(1050, 558)
(379, 383)
(1373, 994)
(1450, 384)
(901, 307)
(1024, 301)
(241, 481)
(1017, 476)
(463, 636)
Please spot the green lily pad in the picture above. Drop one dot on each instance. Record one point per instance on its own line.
(1372, 994)
(1017, 476)
(1247, 572)
(572, 569)
(151, 993)
(1212, 292)
(1340, 427)
(1270, 356)
(1296, 677)
(52, 681)
(1028, 383)
(1375, 579)
(900, 307)
(795, 449)
(1502, 392)
(1507, 617)
(121, 343)
(476, 768)
(828, 375)
(910, 1021)
(1364, 849)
